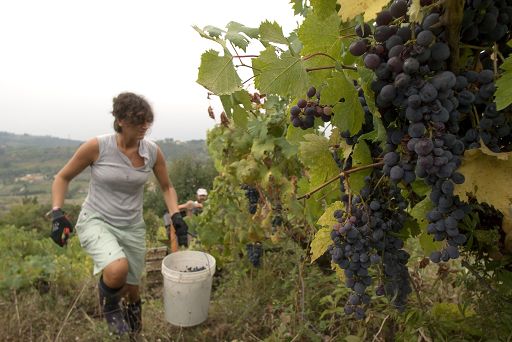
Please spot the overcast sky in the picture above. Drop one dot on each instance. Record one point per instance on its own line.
(62, 62)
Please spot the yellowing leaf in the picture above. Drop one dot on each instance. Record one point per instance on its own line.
(488, 179)
(320, 243)
(351, 8)
(327, 219)
(416, 12)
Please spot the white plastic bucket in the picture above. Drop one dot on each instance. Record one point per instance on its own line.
(187, 293)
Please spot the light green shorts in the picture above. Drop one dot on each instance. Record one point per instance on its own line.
(106, 243)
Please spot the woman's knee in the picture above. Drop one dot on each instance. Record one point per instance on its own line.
(115, 273)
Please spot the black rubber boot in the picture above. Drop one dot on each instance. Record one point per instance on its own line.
(133, 315)
(109, 301)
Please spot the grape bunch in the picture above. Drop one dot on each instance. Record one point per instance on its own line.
(253, 196)
(254, 253)
(303, 114)
(419, 100)
(486, 22)
(365, 237)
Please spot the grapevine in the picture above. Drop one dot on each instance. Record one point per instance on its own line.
(379, 124)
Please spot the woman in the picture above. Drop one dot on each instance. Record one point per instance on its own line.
(110, 226)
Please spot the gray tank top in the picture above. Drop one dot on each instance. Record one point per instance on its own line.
(116, 187)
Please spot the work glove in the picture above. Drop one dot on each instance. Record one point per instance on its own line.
(61, 227)
(181, 229)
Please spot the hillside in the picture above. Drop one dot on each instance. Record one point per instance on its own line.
(28, 164)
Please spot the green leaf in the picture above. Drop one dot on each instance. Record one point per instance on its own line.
(217, 73)
(287, 149)
(296, 135)
(227, 104)
(242, 97)
(420, 210)
(213, 31)
(315, 155)
(360, 157)
(251, 32)
(324, 8)
(298, 6)
(272, 32)
(420, 187)
(348, 115)
(320, 243)
(257, 129)
(240, 117)
(333, 90)
(366, 77)
(295, 43)
(378, 134)
(260, 148)
(284, 75)
(237, 39)
(207, 35)
(319, 34)
(504, 85)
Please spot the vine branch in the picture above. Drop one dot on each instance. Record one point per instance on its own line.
(453, 19)
(344, 174)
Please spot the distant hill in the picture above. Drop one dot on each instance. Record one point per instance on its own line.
(22, 148)
(28, 163)
(26, 140)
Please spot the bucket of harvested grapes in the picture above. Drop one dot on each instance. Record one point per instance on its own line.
(187, 287)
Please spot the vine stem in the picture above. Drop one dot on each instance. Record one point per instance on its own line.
(305, 58)
(344, 174)
(245, 56)
(348, 67)
(453, 20)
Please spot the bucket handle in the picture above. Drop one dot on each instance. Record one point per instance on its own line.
(208, 263)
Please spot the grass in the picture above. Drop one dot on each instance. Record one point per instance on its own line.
(286, 299)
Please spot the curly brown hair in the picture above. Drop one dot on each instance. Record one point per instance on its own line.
(131, 107)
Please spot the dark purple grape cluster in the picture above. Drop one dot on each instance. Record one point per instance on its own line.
(486, 21)
(253, 196)
(421, 103)
(254, 253)
(303, 114)
(365, 237)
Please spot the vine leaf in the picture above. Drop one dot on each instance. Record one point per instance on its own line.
(240, 117)
(217, 73)
(213, 31)
(260, 147)
(333, 90)
(416, 12)
(271, 32)
(481, 170)
(319, 34)
(323, 8)
(349, 114)
(419, 213)
(504, 86)
(314, 153)
(320, 243)
(352, 8)
(322, 239)
(284, 75)
(360, 157)
(251, 32)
